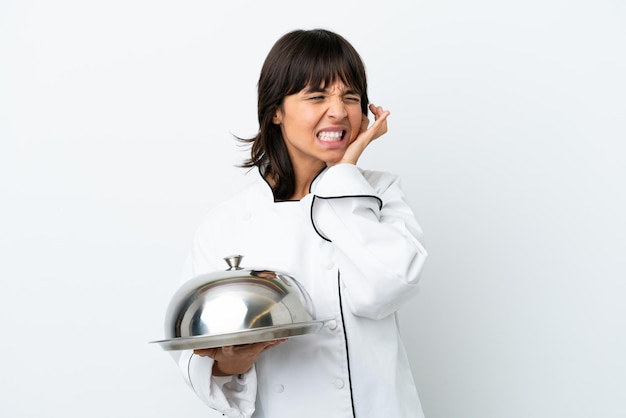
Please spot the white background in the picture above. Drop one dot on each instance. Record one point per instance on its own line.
(507, 126)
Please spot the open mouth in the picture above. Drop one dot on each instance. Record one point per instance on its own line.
(331, 136)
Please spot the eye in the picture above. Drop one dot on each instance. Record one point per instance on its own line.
(315, 98)
(353, 99)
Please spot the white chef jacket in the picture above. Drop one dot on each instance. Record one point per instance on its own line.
(353, 244)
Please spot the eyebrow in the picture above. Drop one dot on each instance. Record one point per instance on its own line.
(325, 90)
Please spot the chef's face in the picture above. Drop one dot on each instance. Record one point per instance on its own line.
(318, 124)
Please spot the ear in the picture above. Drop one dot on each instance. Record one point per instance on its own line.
(278, 117)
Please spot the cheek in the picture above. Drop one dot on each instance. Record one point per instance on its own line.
(355, 122)
(301, 120)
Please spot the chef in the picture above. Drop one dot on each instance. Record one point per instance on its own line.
(345, 233)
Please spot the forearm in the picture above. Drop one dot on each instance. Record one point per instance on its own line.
(375, 237)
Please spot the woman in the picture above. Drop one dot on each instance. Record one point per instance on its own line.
(346, 234)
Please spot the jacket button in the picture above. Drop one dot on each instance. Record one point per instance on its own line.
(278, 388)
(338, 383)
(332, 325)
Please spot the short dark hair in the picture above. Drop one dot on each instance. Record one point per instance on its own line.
(301, 58)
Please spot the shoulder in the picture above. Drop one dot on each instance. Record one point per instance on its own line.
(235, 205)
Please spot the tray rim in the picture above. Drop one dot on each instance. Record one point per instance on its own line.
(240, 337)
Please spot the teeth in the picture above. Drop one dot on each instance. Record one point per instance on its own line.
(330, 136)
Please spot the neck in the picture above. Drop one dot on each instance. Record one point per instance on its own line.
(300, 192)
(303, 180)
(304, 176)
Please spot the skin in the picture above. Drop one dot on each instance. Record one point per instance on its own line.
(336, 108)
(236, 359)
(302, 117)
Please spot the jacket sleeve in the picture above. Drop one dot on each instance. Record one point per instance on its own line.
(233, 396)
(374, 234)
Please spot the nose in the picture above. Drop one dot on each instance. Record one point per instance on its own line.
(337, 108)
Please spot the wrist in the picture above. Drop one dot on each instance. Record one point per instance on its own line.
(220, 370)
(217, 370)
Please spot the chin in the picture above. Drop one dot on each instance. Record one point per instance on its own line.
(334, 157)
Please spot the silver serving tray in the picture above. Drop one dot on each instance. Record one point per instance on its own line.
(256, 335)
